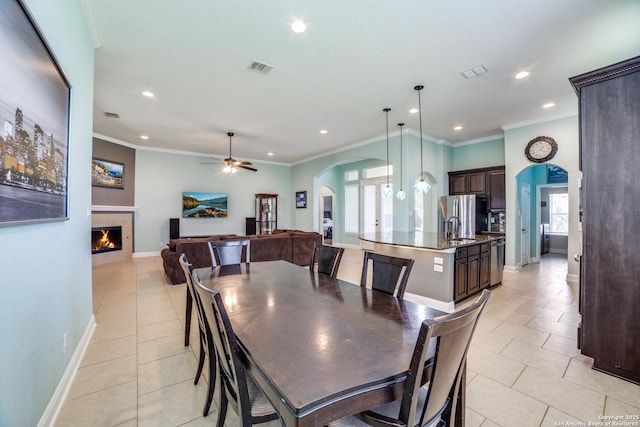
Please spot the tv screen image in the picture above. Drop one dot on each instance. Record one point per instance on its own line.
(204, 205)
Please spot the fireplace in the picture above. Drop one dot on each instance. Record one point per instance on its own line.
(106, 239)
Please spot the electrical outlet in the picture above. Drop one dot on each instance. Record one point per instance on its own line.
(65, 343)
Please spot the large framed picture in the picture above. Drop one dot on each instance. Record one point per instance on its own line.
(34, 120)
(105, 173)
(204, 205)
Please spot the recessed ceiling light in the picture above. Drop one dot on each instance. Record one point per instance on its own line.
(522, 75)
(144, 137)
(148, 94)
(298, 26)
(413, 110)
(323, 131)
(269, 154)
(549, 105)
(457, 127)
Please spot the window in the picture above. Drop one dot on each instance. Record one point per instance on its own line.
(377, 172)
(351, 175)
(559, 213)
(351, 203)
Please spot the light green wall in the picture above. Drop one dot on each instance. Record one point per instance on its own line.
(45, 288)
(478, 155)
(174, 173)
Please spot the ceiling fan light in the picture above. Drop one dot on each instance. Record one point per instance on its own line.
(226, 169)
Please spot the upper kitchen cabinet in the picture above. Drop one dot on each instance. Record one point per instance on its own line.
(488, 181)
(609, 107)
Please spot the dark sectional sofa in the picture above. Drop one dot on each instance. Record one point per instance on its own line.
(294, 246)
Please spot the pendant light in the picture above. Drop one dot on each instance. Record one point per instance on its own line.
(421, 185)
(387, 191)
(401, 194)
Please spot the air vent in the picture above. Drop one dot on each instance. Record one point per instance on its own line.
(111, 115)
(475, 71)
(260, 67)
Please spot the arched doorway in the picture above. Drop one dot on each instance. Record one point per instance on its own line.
(543, 212)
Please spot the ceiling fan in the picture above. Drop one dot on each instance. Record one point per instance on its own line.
(231, 164)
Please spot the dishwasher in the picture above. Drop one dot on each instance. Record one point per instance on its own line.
(497, 261)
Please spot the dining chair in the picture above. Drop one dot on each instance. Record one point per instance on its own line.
(226, 252)
(430, 401)
(206, 345)
(237, 387)
(327, 258)
(390, 274)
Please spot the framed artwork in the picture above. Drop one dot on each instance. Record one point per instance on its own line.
(301, 199)
(34, 120)
(107, 174)
(556, 175)
(204, 205)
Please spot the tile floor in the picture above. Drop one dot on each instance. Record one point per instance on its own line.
(523, 367)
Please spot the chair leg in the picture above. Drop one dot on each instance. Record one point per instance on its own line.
(212, 384)
(200, 359)
(187, 317)
(222, 407)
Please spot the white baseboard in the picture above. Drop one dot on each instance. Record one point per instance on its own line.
(52, 410)
(558, 251)
(573, 278)
(511, 268)
(346, 246)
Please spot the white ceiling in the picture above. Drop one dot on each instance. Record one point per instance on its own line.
(356, 57)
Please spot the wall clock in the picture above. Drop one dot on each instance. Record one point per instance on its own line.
(541, 149)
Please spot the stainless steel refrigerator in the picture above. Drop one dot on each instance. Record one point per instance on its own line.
(466, 214)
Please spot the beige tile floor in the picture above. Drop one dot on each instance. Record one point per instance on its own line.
(523, 367)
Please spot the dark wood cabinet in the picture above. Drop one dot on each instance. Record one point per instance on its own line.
(609, 106)
(485, 265)
(497, 200)
(488, 181)
(472, 270)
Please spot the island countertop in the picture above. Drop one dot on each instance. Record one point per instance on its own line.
(424, 240)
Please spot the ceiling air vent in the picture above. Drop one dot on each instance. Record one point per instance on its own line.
(475, 71)
(111, 115)
(260, 67)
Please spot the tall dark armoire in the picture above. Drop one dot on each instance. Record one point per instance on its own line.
(609, 332)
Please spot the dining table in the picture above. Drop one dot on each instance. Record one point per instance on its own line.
(320, 348)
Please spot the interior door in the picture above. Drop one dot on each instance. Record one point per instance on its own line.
(525, 219)
(377, 211)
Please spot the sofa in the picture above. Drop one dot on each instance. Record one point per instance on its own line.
(294, 246)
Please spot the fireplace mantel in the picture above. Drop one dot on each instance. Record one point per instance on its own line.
(107, 208)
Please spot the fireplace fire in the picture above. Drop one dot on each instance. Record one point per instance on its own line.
(106, 239)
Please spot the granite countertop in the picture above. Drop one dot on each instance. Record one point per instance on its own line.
(424, 240)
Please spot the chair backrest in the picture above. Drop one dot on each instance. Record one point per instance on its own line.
(452, 334)
(188, 273)
(220, 332)
(327, 258)
(226, 252)
(390, 274)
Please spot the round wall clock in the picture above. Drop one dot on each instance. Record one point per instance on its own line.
(541, 149)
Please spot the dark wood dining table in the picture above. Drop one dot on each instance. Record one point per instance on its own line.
(319, 347)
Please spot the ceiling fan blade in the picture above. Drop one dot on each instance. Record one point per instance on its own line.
(237, 163)
(248, 168)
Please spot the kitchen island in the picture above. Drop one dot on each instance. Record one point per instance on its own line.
(445, 271)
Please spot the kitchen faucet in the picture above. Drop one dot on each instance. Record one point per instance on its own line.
(449, 231)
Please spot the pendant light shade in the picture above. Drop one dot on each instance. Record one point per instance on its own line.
(401, 194)
(421, 186)
(387, 191)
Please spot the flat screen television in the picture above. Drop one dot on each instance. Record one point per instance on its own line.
(197, 204)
